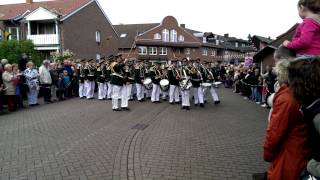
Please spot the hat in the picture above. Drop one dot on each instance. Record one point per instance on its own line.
(118, 55)
(101, 61)
(90, 60)
(4, 61)
(184, 59)
(158, 62)
(83, 60)
(198, 59)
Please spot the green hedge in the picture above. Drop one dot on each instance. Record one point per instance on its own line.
(12, 51)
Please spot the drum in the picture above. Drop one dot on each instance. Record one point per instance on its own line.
(164, 85)
(206, 85)
(217, 84)
(147, 83)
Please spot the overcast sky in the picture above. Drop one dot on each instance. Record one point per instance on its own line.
(236, 17)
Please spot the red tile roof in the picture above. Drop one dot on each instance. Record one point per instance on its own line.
(62, 7)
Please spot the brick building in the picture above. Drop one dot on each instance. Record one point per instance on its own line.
(54, 26)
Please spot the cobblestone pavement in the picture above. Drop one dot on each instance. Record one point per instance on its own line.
(80, 139)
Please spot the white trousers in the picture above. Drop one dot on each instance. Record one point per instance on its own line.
(102, 92)
(214, 94)
(185, 96)
(109, 92)
(124, 96)
(129, 91)
(155, 95)
(90, 85)
(174, 94)
(82, 90)
(33, 95)
(164, 94)
(198, 95)
(140, 91)
(115, 96)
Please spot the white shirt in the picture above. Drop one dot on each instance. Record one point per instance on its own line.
(45, 77)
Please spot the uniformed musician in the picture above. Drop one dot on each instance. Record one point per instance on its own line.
(155, 73)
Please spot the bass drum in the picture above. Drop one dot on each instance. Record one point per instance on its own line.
(147, 83)
(164, 85)
(206, 85)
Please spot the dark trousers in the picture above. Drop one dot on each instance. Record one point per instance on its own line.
(11, 101)
(46, 90)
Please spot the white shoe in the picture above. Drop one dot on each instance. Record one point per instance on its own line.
(258, 102)
(264, 105)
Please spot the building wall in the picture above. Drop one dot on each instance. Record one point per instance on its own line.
(79, 33)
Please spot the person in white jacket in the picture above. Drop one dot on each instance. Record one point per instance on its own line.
(32, 76)
(45, 81)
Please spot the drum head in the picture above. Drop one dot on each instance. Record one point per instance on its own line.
(147, 81)
(206, 84)
(217, 83)
(164, 82)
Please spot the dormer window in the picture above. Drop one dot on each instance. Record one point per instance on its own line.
(165, 35)
(98, 36)
(157, 36)
(173, 36)
(181, 38)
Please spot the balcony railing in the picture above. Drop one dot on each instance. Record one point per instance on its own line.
(44, 39)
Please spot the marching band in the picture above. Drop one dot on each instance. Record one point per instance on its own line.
(122, 79)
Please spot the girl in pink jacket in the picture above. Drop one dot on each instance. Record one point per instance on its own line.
(306, 40)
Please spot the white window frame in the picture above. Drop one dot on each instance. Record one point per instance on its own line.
(188, 51)
(173, 36)
(98, 36)
(163, 51)
(181, 38)
(142, 50)
(17, 31)
(123, 35)
(213, 53)
(165, 35)
(153, 51)
(205, 52)
(157, 36)
(98, 56)
(237, 44)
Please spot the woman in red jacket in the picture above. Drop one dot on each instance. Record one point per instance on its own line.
(286, 144)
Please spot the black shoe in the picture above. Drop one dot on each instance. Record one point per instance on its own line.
(202, 105)
(172, 103)
(37, 104)
(108, 99)
(196, 104)
(125, 109)
(116, 109)
(205, 101)
(183, 107)
(217, 102)
(130, 99)
(187, 108)
(177, 102)
(140, 100)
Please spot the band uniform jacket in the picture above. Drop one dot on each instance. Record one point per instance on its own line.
(155, 73)
(173, 75)
(117, 75)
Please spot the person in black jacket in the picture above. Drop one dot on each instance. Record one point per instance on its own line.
(174, 75)
(117, 81)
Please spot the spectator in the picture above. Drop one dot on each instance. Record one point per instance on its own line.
(45, 81)
(256, 81)
(269, 80)
(1, 89)
(32, 76)
(66, 83)
(286, 144)
(17, 73)
(9, 81)
(4, 62)
(23, 62)
(304, 79)
(54, 73)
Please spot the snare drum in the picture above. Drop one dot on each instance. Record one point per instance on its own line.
(147, 83)
(164, 85)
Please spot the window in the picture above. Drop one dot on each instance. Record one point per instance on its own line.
(157, 36)
(237, 45)
(205, 52)
(123, 35)
(181, 38)
(213, 53)
(98, 36)
(188, 51)
(98, 56)
(142, 50)
(163, 51)
(243, 45)
(165, 35)
(14, 33)
(173, 36)
(152, 50)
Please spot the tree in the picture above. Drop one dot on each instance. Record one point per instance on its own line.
(13, 49)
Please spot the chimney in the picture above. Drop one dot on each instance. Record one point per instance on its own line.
(183, 25)
(29, 1)
(226, 35)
